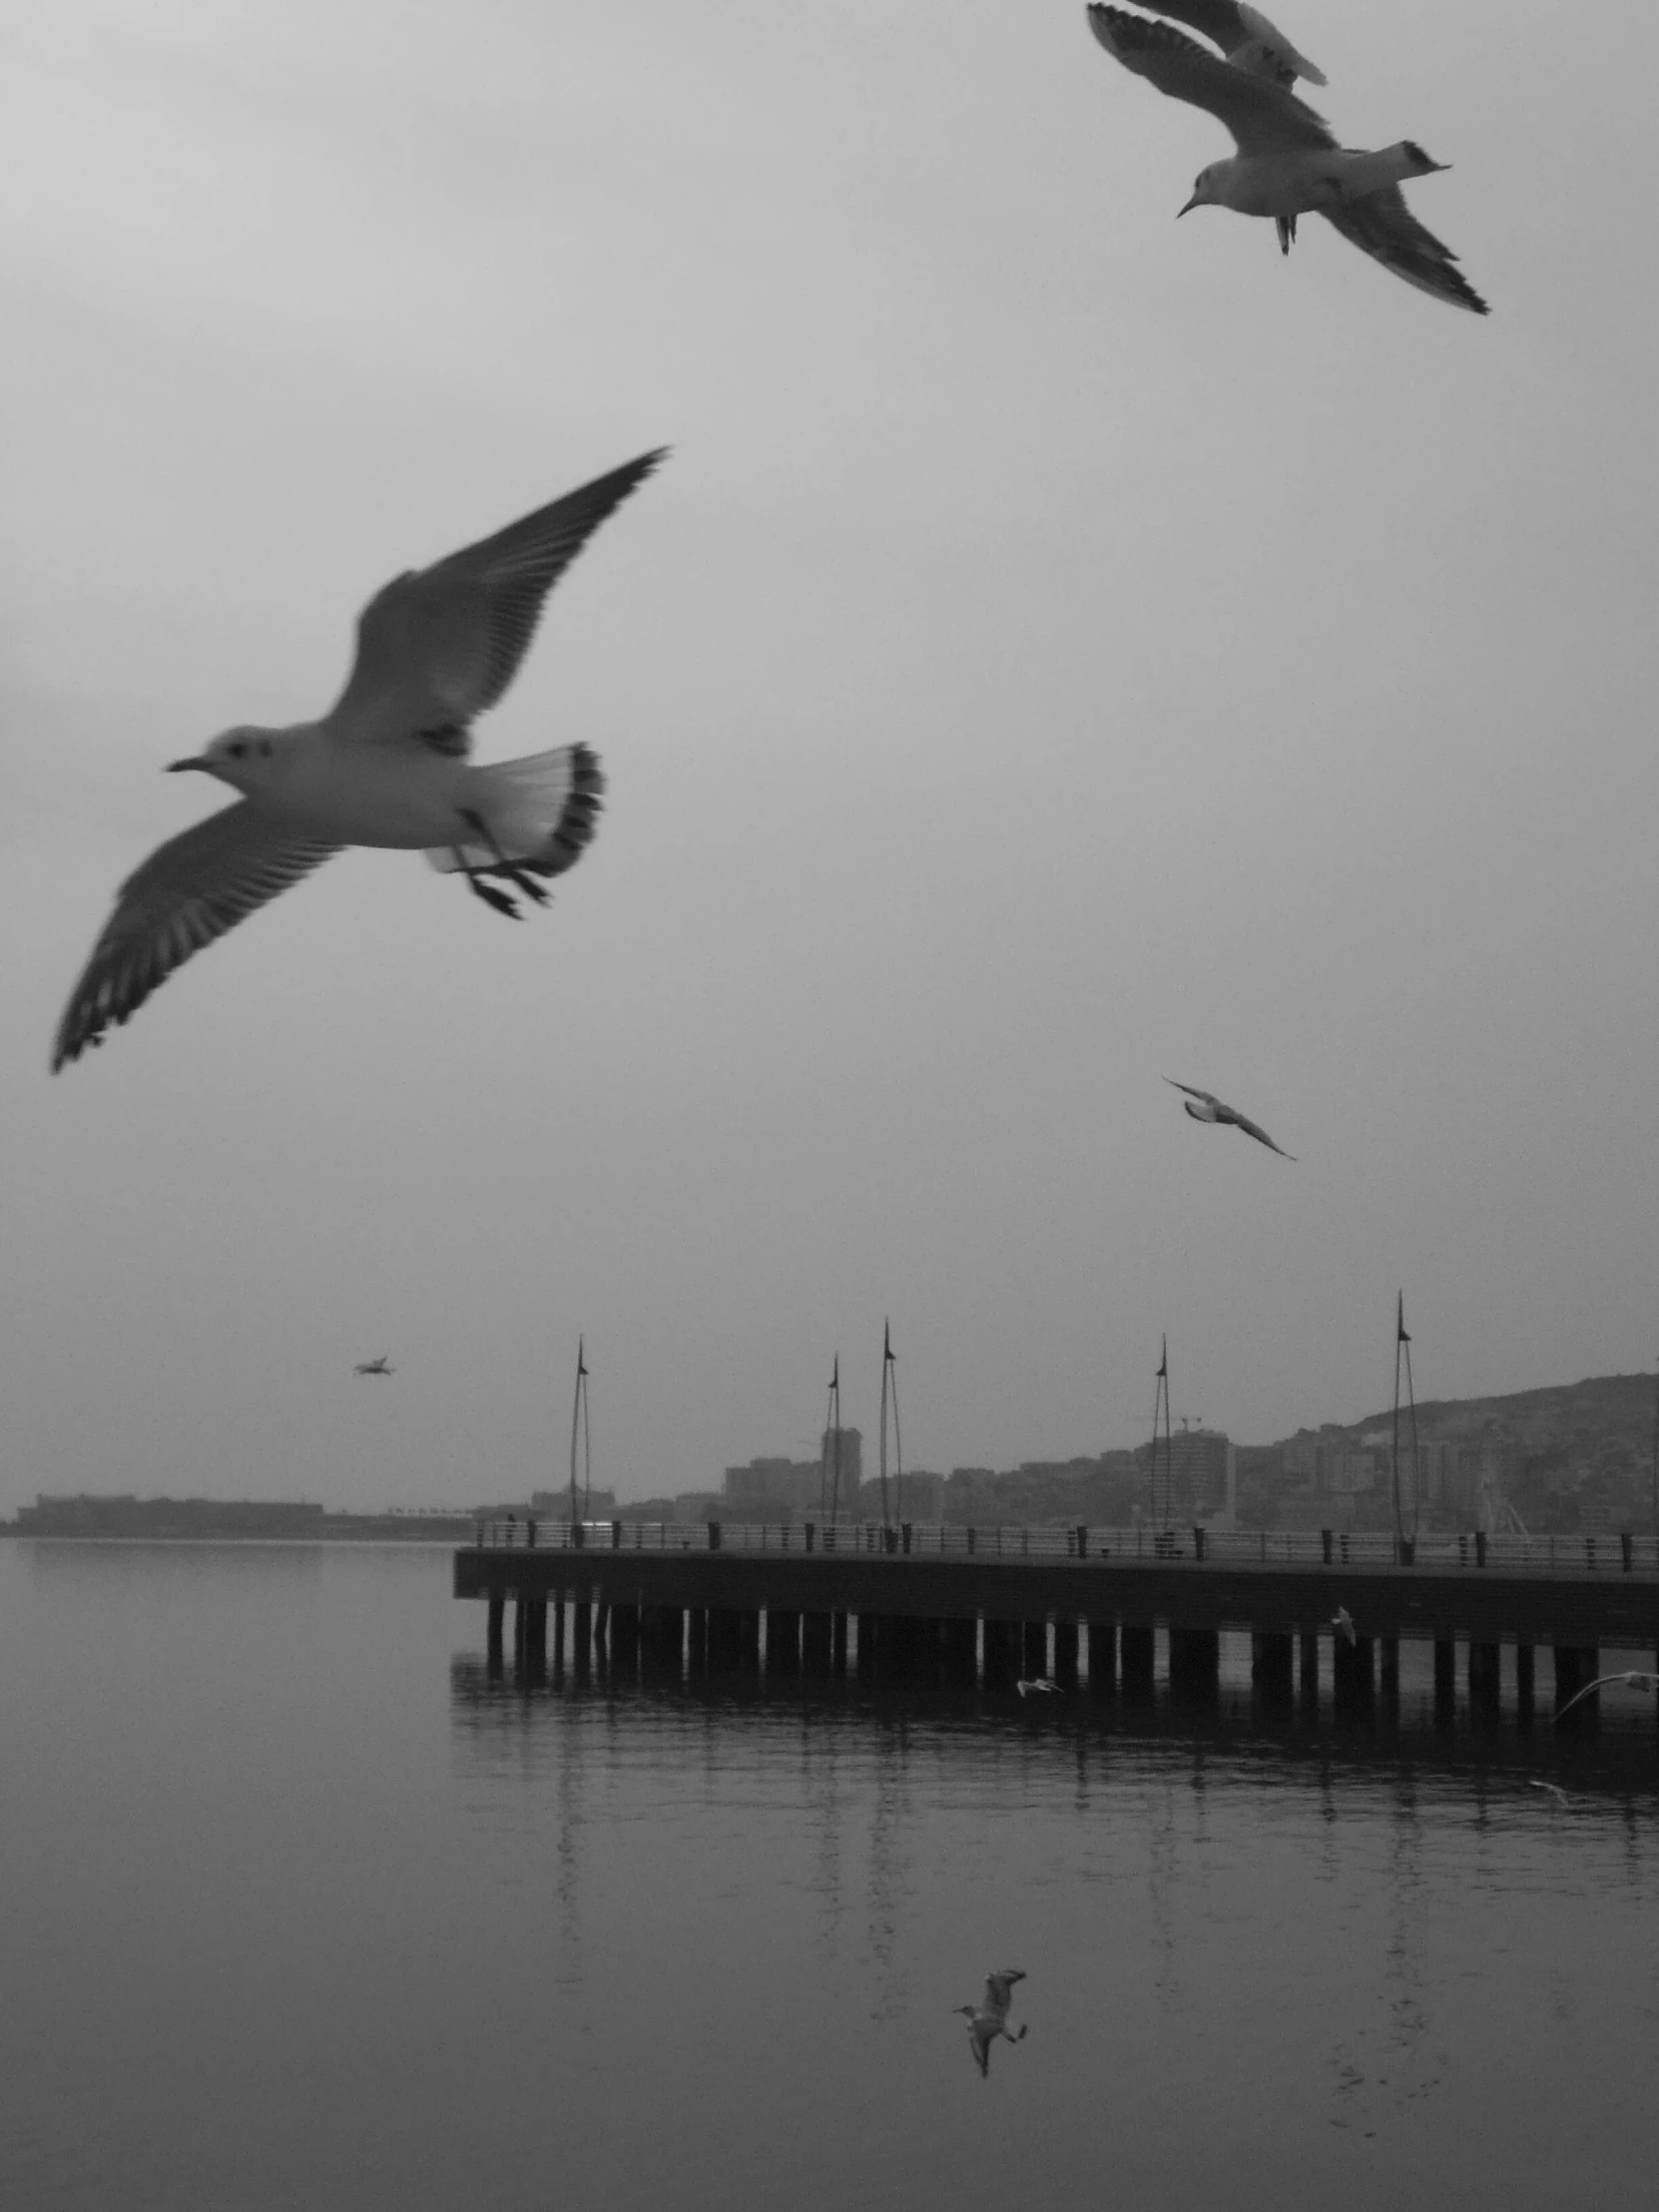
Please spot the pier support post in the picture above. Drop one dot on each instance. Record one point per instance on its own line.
(1000, 1663)
(535, 1635)
(581, 1638)
(960, 1656)
(838, 1646)
(625, 1637)
(1389, 1652)
(1484, 1692)
(815, 1644)
(783, 1644)
(521, 1628)
(1575, 1666)
(1135, 1639)
(1272, 1668)
(749, 1641)
(1033, 1648)
(1065, 1654)
(1445, 1679)
(1103, 1658)
(493, 1634)
(601, 1632)
(1526, 1663)
(1307, 1655)
(662, 1638)
(1353, 1673)
(1195, 1665)
(696, 1640)
(558, 1636)
(866, 1649)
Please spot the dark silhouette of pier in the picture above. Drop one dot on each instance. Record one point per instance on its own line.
(963, 1607)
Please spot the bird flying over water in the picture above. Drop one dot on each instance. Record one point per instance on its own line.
(1632, 1678)
(381, 1366)
(1211, 1108)
(386, 765)
(1036, 1686)
(1559, 1793)
(989, 2018)
(1244, 35)
(1288, 163)
(1342, 1621)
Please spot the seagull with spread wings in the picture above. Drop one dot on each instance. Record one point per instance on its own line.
(1633, 1678)
(1245, 36)
(1205, 1106)
(385, 765)
(1288, 163)
(989, 2018)
(379, 1364)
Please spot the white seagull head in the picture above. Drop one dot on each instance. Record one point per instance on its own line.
(241, 758)
(1204, 190)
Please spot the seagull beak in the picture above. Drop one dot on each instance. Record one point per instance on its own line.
(1187, 209)
(195, 761)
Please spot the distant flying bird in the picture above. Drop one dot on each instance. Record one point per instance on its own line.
(1211, 1108)
(1343, 1620)
(1036, 1686)
(1244, 35)
(1559, 1795)
(385, 765)
(1288, 163)
(381, 1365)
(989, 2020)
(1633, 1679)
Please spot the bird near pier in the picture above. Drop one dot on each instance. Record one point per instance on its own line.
(1342, 1620)
(1287, 162)
(386, 765)
(1205, 1106)
(1633, 1678)
(989, 2018)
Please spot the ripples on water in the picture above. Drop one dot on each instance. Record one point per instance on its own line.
(304, 1910)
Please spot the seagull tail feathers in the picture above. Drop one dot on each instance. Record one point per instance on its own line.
(541, 813)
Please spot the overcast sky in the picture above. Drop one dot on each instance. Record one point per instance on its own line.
(1064, 649)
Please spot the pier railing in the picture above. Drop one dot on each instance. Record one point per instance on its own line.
(1597, 1553)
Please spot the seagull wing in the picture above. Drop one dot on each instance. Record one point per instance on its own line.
(1245, 36)
(439, 645)
(1382, 225)
(1209, 1097)
(1243, 1122)
(1263, 117)
(999, 1990)
(189, 891)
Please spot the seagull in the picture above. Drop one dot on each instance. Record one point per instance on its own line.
(1211, 1108)
(1287, 164)
(1245, 36)
(1343, 1619)
(381, 1365)
(1559, 1795)
(385, 765)
(989, 2018)
(1036, 1685)
(1633, 1679)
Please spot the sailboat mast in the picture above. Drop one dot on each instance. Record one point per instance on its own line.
(886, 1361)
(578, 1407)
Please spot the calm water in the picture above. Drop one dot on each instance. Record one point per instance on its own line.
(302, 1910)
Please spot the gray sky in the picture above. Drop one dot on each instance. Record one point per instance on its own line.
(1064, 649)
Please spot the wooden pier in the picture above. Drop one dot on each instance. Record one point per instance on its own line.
(964, 1606)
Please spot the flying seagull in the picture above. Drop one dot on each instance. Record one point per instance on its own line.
(1633, 1679)
(1036, 1686)
(1557, 1792)
(1211, 1108)
(1342, 1621)
(385, 765)
(989, 2020)
(381, 1365)
(1288, 163)
(1245, 36)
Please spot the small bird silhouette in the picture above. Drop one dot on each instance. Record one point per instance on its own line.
(381, 1365)
(989, 2018)
(1036, 1685)
(1343, 1619)
(1559, 1795)
(1633, 1679)
(1211, 1108)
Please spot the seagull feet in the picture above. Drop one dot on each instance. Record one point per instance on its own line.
(1287, 231)
(515, 875)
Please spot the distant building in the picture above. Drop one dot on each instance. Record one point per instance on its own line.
(771, 1490)
(555, 1505)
